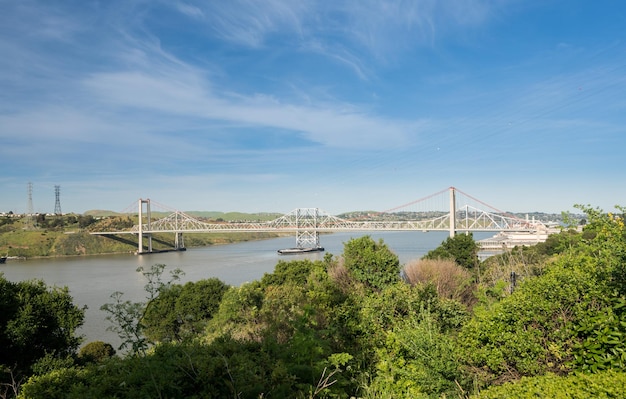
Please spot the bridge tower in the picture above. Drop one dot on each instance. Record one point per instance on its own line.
(452, 212)
(148, 225)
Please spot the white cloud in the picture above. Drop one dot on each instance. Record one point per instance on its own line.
(248, 22)
(190, 10)
(379, 28)
(333, 125)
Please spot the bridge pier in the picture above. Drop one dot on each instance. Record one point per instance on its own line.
(307, 239)
(141, 233)
(178, 240)
(307, 234)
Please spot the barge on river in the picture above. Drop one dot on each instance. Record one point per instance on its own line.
(295, 251)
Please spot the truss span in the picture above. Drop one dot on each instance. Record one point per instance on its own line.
(467, 219)
(307, 223)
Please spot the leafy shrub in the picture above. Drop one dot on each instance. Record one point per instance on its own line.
(418, 360)
(371, 263)
(533, 330)
(238, 314)
(602, 337)
(56, 384)
(461, 248)
(293, 272)
(604, 385)
(183, 311)
(36, 322)
(96, 351)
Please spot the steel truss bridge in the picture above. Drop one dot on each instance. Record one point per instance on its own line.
(308, 223)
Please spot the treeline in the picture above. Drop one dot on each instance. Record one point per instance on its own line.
(355, 325)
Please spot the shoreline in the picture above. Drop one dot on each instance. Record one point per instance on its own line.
(133, 252)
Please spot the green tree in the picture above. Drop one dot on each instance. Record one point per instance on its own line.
(96, 351)
(296, 271)
(127, 317)
(371, 262)
(558, 243)
(36, 321)
(238, 313)
(183, 311)
(461, 248)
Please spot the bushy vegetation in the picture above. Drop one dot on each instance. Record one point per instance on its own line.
(357, 325)
(37, 330)
(603, 385)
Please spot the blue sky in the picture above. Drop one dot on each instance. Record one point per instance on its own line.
(344, 105)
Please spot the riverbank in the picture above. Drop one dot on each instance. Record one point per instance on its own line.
(34, 244)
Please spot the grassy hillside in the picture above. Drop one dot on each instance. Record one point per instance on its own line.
(70, 236)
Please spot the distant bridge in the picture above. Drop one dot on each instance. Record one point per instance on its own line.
(307, 223)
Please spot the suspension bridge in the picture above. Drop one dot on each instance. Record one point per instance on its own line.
(425, 214)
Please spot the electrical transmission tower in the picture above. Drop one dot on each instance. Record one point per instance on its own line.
(30, 222)
(57, 202)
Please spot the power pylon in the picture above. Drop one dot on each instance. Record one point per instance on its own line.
(57, 202)
(30, 217)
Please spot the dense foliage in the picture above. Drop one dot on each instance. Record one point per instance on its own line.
(182, 311)
(351, 326)
(371, 263)
(37, 329)
(604, 385)
(461, 248)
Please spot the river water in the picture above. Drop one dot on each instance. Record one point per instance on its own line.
(92, 279)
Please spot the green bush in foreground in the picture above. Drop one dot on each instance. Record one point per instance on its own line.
(604, 385)
(38, 327)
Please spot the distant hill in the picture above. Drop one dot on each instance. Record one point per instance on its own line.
(101, 213)
(204, 215)
(234, 216)
(355, 215)
(373, 215)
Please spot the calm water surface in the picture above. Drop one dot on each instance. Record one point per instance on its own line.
(91, 280)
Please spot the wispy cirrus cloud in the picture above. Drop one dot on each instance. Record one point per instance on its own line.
(372, 23)
(248, 22)
(330, 124)
(190, 10)
(373, 30)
